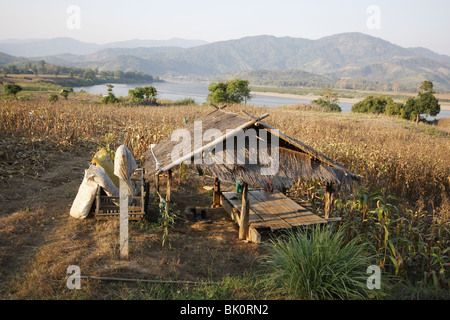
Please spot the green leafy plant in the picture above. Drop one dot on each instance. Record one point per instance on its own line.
(12, 89)
(53, 98)
(167, 219)
(318, 263)
(144, 94)
(233, 91)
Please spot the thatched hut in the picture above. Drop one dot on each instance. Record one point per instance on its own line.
(234, 146)
(296, 160)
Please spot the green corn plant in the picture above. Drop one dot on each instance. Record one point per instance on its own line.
(167, 219)
(184, 174)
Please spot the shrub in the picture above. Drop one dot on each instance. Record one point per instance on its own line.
(53, 98)
(144, 94)
(13, 89)
(318, 263)
(326, 105)
(110, 98)
(372, 104)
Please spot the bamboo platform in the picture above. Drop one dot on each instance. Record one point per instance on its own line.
(272, 211)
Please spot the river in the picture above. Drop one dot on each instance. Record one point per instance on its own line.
(199, 92)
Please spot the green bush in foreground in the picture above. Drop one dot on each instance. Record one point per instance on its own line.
(318, 263)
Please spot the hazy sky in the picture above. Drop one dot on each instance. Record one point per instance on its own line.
(407, 23)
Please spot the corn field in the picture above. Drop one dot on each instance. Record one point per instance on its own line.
(402, 204)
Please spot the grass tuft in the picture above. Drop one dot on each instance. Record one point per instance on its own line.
(318, 264)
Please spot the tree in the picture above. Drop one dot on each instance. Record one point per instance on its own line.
(372, 104)
(89, 74)
(424, 103)
(42, 64)
(118, 74)
(393, 108)
(110, 97)
(238, 91)
(328, 101)
(329, 95)
(13, 89)
(144, 94)
(218, 92)
(233, 91)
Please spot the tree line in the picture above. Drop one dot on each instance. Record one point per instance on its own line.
(425, 103)
(43, 68)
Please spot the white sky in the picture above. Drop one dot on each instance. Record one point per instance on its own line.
(407, 23)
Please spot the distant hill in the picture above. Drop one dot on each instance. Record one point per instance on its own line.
(7, 59)
(56, 46)
(346, 55)
(281, 78)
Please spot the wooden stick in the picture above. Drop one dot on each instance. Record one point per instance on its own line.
(245, 211)
(216, 194)
(145, 280)
(123, 191)
(328, 200)
(156, 181)
(165, 223)
(169, 185)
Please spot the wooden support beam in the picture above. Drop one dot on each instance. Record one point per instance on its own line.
(253, 234)
(123, 204)
(156, 182)
(216, 193)
(245, 212)
(328, 200)
(234, 213)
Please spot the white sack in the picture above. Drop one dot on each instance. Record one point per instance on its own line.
(85, 197)
(124, 165)
(99, 175)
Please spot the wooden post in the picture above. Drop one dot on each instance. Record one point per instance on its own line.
(216, 194)
(244, 218)
(156, 181)
(328, 199)
(169, 186)
(123, 203)
(167, 210)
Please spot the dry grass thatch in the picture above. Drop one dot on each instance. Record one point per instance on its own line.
(295, 160)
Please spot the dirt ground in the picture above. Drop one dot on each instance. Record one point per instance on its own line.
(39, 240)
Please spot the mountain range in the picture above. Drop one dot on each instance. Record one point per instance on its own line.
(47, 47)
(340, 56)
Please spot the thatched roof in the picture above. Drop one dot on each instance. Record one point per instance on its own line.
(296, 160)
